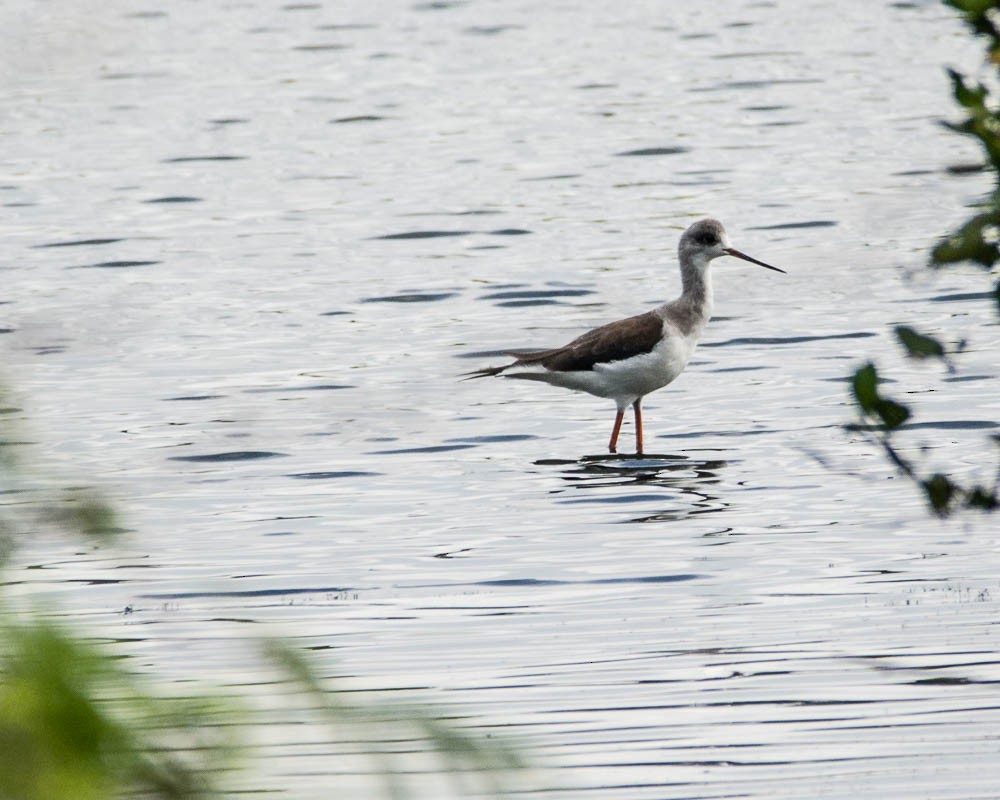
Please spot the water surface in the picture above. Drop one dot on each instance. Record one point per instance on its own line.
(248, 251)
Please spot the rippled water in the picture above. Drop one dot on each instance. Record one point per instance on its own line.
(248, 249)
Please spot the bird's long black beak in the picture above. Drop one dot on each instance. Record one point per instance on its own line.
(732, 251)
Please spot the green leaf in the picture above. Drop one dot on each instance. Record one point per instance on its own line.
(982, 498)
(977, 14)
(966, 126)
(82, 512)
(966, 96)
(95, 518)
(975, 241)
(892, 414)
(865, 387)
(940, 491)
(919, 345)
(971, 7)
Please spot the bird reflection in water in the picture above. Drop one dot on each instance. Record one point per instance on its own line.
(688, 483)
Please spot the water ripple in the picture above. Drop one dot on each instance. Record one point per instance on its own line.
(238, 455)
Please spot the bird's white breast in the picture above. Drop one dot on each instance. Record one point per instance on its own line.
(641, 374)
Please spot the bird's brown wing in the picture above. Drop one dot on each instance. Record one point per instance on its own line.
(612, 342)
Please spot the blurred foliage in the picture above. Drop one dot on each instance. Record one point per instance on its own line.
(75, 724)
(886, 416)
(976, 241)
(473, 764)
(32, 502)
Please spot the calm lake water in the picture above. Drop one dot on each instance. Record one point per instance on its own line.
(248, 248)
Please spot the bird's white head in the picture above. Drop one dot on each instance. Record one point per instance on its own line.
(706, 240)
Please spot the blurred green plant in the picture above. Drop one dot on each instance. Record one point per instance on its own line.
(977, 241)
(75, 724)
(33, 503)
(475, 765)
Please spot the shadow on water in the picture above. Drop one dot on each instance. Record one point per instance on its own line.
(684, 482)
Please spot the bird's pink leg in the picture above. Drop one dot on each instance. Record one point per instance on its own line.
(614, 431)
(638, 426)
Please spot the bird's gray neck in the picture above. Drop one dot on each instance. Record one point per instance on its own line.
(690, 312)
(697, 290)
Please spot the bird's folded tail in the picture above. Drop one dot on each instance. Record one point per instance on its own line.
(524, 358)
(487, 372)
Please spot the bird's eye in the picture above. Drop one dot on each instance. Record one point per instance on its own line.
(707, 239)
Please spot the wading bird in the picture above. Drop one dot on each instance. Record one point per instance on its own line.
(628, 359)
